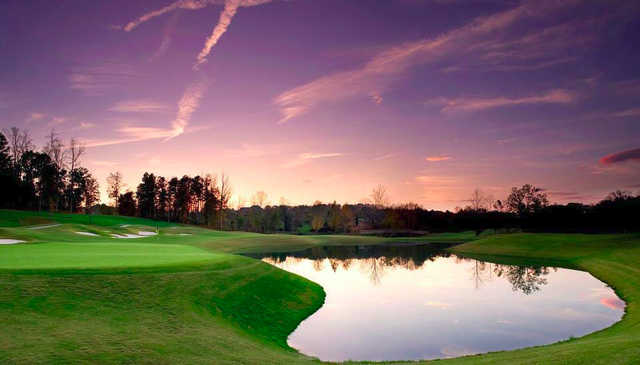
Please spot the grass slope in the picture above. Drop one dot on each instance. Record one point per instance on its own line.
(183, 296)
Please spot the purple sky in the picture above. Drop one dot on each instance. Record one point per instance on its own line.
(324, 99)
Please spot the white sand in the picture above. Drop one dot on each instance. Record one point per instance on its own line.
(87, 234)
(128, 235)
(140, 234)
(9, 241)
(45, 226)
(147, 233)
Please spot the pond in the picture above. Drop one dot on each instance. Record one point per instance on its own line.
(414, 302)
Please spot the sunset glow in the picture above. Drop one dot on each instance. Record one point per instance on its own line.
(324, 100)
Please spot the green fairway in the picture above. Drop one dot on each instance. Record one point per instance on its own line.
(183, 296)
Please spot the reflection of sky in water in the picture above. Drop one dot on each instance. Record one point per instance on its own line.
(382, 309)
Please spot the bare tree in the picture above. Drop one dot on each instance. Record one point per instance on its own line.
(480, 200)
(55, 149)
(76, 150)
(379, 196)
(225, 191)
(19, 142)
(225, 196)
(114, 186)
(259, 199)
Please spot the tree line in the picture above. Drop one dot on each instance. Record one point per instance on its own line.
(201, 200)
(51, 178)
(205, 201)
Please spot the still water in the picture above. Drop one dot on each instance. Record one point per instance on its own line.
(410, 303)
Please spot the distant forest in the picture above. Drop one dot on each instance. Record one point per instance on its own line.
(52, 179)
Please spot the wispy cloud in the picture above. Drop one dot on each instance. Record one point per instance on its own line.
(186, 106)
(138, 106)
(227, 14)
(389, 65)
(384, 157)
(305, 158)
(34, 116)
(559, 96)
(95, 80)
(438, 181)
(191, 98)
(628, 155)
(633, 112)
(229, 11)
(167, 36)
(181, 4)
(376, 98)
(439, 158)
(56, 121)
(85, 125)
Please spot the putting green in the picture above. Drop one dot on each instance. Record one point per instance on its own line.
(93, 255)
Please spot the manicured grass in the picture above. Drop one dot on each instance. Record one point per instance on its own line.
(184, 297)
(91, 255)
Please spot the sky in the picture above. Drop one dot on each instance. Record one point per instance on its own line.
(325, 99)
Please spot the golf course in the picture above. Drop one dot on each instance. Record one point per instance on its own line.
(75, 290)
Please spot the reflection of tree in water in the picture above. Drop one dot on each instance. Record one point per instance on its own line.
(479, 268)
(374, 260)
(374, 267)
(526, 279)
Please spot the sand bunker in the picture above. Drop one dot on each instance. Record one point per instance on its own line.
(130, 235)
(87, 234)
(9, 241)
(127, 235)
(147, 233)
